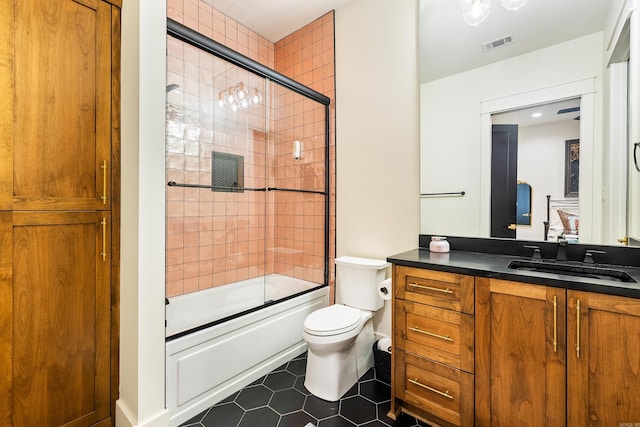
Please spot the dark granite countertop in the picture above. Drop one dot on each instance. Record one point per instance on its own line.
(495, 265)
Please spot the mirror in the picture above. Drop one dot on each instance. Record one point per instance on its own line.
(545, 144)
(456, 117)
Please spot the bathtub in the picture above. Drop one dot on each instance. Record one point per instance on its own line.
(210, 355)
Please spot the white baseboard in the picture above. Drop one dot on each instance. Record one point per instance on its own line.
(125, 419)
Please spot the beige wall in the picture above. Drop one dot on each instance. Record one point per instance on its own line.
(377, 137)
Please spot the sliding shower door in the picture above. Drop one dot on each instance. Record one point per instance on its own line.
(247, 198)
(297, 190)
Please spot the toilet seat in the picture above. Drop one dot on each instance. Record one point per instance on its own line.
(333, 320)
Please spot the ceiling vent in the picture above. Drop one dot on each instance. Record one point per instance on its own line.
(494, 44)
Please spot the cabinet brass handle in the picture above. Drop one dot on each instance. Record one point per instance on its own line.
(441, 393)
(555, 324)
(104, 182)
(104, 238)
(446, 291)
(578, 329)
(431, 334)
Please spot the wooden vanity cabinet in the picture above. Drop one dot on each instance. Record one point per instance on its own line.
(490, 352)
(433, 346)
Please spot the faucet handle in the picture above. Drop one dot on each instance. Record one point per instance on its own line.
(588, 255)
(536, 251)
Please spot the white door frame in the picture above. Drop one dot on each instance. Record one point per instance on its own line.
(590, 171)
(615, 219)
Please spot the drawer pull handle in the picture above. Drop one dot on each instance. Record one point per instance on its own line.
(429, 288)
(441, 393)
(431, 334)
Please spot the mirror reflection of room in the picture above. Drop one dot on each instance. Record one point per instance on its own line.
(461, 93)
(547, 152)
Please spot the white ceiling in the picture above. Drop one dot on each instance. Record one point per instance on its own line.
(275, 19)
(447, 44)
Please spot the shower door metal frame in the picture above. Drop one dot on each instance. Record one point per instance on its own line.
(193, 38)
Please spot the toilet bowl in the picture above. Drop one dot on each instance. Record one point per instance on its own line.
(340, 337)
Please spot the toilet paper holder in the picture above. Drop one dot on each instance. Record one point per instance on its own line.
(384, 289)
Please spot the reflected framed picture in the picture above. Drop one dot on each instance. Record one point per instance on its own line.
(572, 168)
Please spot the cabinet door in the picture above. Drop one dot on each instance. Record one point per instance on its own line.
(55, 321)
(521, 354)
(56, 124)
(603, 360)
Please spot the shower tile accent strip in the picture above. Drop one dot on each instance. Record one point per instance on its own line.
(280, 399)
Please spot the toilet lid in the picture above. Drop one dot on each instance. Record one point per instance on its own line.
(333, 320)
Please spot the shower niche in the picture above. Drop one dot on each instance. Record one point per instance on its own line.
(227, 172)
(247, 214)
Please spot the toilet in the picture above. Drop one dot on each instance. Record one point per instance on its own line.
(340, 337)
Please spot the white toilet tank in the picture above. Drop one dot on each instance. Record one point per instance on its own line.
(357, 281)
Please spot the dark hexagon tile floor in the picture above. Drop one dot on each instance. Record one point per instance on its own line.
(280, 399)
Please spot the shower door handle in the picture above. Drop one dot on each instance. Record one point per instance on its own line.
(635, 155)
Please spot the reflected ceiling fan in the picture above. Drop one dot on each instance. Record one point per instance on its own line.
(570, 110)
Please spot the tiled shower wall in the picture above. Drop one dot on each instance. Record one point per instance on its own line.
(215, 238)
(307, 56)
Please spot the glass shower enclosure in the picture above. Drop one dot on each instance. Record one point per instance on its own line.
(247, 156)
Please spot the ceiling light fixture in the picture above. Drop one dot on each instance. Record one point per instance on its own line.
(513, 4)
(237, 96)
(475, 12)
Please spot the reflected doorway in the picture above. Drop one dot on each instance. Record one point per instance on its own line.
(504, 176)
(529, 145)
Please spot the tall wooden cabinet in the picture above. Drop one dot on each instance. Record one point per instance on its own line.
(59, 211)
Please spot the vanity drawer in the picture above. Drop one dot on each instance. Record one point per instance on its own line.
(431, 390)
(436, 288)
(441, 335)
